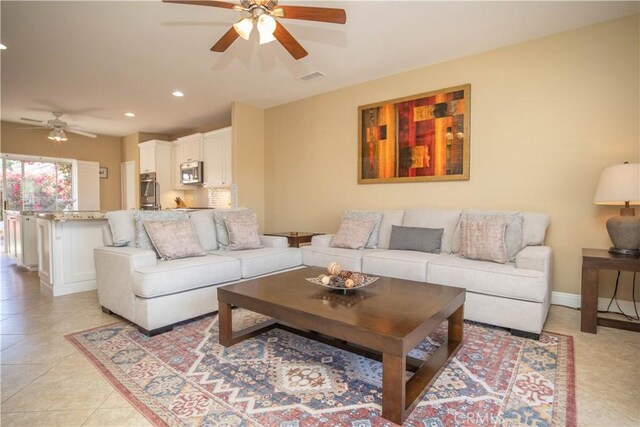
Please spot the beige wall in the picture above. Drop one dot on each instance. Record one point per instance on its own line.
(104, 149)
(546, 117)
(248, 158)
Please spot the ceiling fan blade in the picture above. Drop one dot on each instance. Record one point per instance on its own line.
(35, 128)
(225, 41)
(321, 14)
(289, 42)
(81, 132)
(31, 120)
(212, 3)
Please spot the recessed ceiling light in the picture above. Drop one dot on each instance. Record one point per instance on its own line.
(129, 114)
(177, 93)
(2, 47)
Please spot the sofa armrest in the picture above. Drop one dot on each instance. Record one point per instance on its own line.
(274, 242)
(535, 258)
(321, 240)
(114, 277)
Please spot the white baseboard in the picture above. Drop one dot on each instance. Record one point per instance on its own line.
(573, 300)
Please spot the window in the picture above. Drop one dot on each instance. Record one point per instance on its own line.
(36, 185)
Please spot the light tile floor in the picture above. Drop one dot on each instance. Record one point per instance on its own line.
(45, 381)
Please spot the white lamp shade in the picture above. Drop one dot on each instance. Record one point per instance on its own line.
(619, 184)
(243, 27)
(266, 26)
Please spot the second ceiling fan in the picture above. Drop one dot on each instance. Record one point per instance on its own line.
(262, 14)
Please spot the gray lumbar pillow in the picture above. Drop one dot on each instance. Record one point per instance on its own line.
(416, 239)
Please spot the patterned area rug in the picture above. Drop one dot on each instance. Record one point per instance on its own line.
(184, 377)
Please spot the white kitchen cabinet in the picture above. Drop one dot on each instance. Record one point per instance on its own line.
(216, 151)
(21, 240)
(65, 254)
(185, 149)
(147, 158)
(155, 156)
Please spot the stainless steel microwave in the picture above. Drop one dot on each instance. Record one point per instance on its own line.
(191, 173)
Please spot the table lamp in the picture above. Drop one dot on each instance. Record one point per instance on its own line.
(619, 185)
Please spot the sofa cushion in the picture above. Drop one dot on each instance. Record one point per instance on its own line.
(352, 234)
(142, 238)
(534, 227)
(504, 280)
(416, 239)
(174, 239)
(375, 216)
(243, 232)
(222, 236)
(205, 227)
(123, 228)
(179, 275)
(483, 238)
(408, 265)
(434, 218)
(321, 256)
(389, 218)
(256, 262)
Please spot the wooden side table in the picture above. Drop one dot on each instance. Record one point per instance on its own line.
(295, 238)
(594, 260)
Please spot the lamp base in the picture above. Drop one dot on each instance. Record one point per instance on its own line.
(628, 252)
(624, 231)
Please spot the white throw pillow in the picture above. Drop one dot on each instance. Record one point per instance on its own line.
(243, 232)
(222, 236)
(483, 238)
(205, 227)
(353, 234)
(173, 239)
(123, 228)
(375, 216)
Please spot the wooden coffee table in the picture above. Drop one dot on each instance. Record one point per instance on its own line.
(384, 321)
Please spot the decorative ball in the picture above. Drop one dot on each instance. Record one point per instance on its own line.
(325, 279)
(357, 278)
(345, 274)
(334, 268)
(349, 283)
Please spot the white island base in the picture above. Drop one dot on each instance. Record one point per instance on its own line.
(65, 253)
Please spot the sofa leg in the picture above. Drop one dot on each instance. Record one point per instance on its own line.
(525, 334)
(105, 310)
(156, 331)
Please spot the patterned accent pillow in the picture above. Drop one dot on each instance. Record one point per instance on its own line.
(353, 234)
(513, 235)
(376, 217)
(221, 229)
(243, 232)
(174, 239)
(142, 238)
(416, 239)
(483, 238)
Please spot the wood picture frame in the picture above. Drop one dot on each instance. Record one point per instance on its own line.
(417, 138)
(103, 173)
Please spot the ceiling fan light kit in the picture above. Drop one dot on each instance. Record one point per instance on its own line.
(263, 14)
(58, 128)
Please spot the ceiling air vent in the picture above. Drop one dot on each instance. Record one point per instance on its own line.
(311, 76)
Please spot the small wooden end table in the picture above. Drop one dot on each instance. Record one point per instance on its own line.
(295, 238)
(594, 260)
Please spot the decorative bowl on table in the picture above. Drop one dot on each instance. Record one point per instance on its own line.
(342, 279)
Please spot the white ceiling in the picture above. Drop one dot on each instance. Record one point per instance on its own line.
(97, 60)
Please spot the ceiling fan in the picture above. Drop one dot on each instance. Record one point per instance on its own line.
(262, 14)
(58, 127)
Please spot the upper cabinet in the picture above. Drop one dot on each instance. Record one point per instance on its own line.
(216, 155)
(155, 156)
(185, 149)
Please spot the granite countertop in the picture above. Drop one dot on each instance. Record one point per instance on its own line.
(73, 215)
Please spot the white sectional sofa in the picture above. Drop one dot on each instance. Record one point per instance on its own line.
(514, 295)
(155, 294)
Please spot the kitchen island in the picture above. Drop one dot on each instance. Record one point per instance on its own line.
(66, 241)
